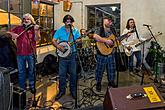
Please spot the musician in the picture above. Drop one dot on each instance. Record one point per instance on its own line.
(129, 43)
(26, 35)
(105, 61)
(67, 33)
(85, 39)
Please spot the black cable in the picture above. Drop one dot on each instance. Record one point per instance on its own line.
(89, 96)
(68, 105)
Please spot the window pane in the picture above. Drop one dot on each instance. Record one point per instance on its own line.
(50, 23)
(50, 10)
(3, 4)
(43, 21)
(43, 9)
(15, 6)
(35, 9)
(46, 13)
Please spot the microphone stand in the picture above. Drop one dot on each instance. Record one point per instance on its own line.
(35, 101)
(74, 41)
(142, 63)
(117, 55)
(156, 62)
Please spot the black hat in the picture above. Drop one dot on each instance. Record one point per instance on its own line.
(66, 17)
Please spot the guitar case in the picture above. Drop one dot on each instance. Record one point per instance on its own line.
(49, 65)
(7, 51)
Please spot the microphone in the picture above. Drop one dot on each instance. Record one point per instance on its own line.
(147, 25)
(69, 23)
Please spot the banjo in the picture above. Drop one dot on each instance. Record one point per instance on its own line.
(67, 46)
(67, 49)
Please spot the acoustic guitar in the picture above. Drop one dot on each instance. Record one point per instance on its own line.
(106, 49)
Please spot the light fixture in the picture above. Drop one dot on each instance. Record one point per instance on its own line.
(35, 1)
(113, 8)
(67, 5)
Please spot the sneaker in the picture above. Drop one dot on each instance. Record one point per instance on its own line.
(98, 87)
(59, 95)
(137, 69)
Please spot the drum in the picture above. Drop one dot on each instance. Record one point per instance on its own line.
(87, 58)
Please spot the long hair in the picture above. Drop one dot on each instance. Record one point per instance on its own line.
(127, 25)
(30, 17)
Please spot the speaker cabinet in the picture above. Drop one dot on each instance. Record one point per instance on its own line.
(19, 98)
(115, 99)
(5, 90)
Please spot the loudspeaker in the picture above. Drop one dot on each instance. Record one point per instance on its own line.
(19, 98)
(5, 94)
(115, 99)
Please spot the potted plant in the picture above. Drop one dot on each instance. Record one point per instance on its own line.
(157, 58)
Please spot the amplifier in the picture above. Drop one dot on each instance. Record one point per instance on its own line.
(5, 90)
(116, 98)
(19, 98)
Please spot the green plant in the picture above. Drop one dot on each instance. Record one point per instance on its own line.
(158, 53)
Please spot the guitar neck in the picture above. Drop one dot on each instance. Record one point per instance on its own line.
(124, 36)
(147, 40)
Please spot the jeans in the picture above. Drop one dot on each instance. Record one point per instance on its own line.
(67, 65)
(22, 60)
(107, 62)
(131, 60)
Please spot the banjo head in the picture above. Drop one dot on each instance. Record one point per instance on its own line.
(66, 48)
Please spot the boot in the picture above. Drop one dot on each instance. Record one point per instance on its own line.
(98, 87)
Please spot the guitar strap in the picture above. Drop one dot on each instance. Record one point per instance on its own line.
(70, 37)
(102, 32)
(137, 33)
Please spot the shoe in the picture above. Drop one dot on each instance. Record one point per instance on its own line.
(33, 90)
(112, 84)
(163, 81)
(131, 73)
(137, 69)
(98, 87)
(73, 94)
(59, 95)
